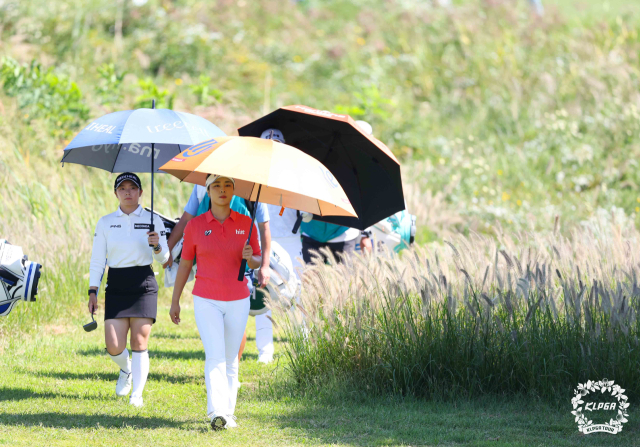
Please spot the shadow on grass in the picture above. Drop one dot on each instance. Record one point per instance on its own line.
(170, 336)
(112, 376)
(70, 421)
(153, 353)
(14, 394)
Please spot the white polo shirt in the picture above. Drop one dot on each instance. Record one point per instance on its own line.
(121, 240)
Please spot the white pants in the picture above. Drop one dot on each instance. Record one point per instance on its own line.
(264, 335)
(264, 326)
(221, 325)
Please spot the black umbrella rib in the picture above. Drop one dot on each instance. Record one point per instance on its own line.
(115, 160)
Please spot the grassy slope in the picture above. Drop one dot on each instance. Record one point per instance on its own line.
(596, 8)
(58, 390)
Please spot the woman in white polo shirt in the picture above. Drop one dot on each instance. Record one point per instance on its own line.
(123, 242)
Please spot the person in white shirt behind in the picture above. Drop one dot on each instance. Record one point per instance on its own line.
(123, 242)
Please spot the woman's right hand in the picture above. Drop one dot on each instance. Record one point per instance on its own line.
(93, 303)
(174, 313)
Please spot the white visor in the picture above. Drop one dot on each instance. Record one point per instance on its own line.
(213, 177)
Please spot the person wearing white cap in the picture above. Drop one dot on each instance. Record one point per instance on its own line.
(281, 225)
(218, 238)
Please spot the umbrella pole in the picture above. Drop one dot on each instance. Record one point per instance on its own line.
(243, 265)
(153, 150)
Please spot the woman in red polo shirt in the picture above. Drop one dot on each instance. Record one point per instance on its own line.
(221, 302)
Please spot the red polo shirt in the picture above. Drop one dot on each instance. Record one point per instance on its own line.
(218, 249)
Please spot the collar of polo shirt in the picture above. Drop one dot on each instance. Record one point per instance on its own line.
(137, 212)
(210, 217)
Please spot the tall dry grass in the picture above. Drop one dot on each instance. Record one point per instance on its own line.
(524, 313)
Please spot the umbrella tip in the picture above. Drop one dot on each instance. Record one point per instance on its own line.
(153, 103)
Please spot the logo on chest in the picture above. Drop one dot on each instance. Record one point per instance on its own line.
(239, 231)
(207, 233)
(141, 226)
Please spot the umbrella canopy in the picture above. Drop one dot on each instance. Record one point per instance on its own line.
(125, 141)
(366, 169)
(280, 174)
(122, 141)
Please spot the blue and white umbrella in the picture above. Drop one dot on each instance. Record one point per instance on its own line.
(125, 141)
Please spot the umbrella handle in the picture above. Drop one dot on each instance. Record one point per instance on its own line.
(152, 227)
(243, 267)
(243, 264)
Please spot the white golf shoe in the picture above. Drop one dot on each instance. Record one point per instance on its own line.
(123, 386)
(265, 358)
(136, 401)
(231, 421)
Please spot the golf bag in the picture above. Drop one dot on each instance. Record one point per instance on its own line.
(169, 224)
(171, 272)
(283, 285)
(19, 277)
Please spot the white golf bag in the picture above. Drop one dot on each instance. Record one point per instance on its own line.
(18, 277)
(283, 287)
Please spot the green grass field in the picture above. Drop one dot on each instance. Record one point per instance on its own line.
(57, 389)
(515, 128)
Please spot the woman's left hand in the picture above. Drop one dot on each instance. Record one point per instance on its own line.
(154, 238)
(247, 252)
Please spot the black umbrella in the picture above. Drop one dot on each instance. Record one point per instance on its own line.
(366, 169)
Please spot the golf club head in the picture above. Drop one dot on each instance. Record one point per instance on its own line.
(91, 326)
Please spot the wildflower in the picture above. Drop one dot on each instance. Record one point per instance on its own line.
(499, 171)
(519, 202)
(360, 41)
(178, 81)
(297, 59)
(637, 209)
(505, 196)
(442, 161)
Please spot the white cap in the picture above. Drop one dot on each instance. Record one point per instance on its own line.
(273, 134)
(213, 177)
(366, 127)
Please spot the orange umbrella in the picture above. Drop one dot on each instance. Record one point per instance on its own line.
(264, 171)
(288, 177)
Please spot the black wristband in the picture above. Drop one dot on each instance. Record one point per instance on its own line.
(157, 248)
(92, 291)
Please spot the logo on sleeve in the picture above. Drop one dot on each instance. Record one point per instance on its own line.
(141, 226)
(115, 226)
(162, 233)
(207, 233)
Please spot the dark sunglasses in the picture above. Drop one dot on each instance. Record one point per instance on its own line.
(91, 326)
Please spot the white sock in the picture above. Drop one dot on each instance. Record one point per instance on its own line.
(140, 369)
(122, 360)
